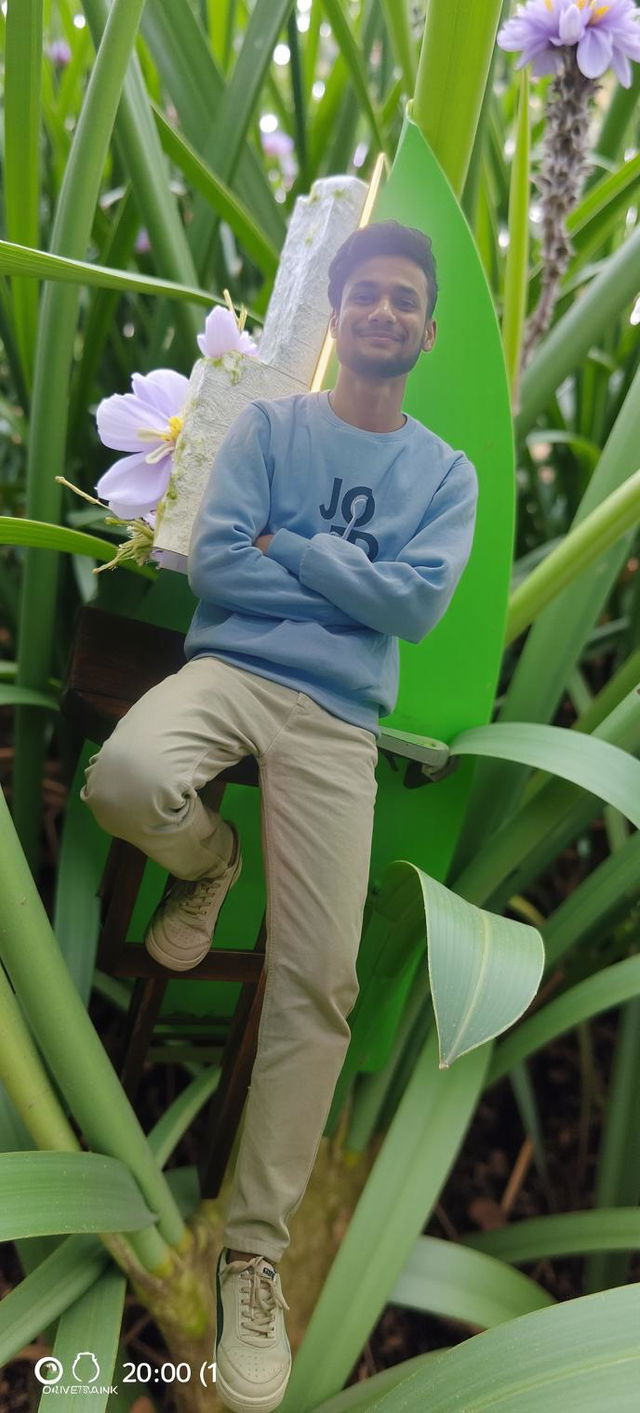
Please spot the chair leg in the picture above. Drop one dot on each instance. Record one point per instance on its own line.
(143, 1014)
(119, 890)
(225, 1110)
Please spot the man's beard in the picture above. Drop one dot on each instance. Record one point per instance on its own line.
(390, 368)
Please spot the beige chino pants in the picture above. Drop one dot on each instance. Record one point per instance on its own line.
(318, 789)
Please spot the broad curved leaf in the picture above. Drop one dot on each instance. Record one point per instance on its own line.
(440, 1278)
(603, 769)
(44, 1193)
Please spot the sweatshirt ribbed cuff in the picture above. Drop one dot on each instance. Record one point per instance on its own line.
(288, 548)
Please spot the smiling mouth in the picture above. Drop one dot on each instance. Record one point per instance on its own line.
(388, 338)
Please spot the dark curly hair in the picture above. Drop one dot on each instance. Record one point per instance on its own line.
(382, 238)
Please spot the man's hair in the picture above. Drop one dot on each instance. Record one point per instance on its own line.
(382, 238)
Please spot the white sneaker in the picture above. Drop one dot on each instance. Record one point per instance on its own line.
(179, 934)
(252, 1353)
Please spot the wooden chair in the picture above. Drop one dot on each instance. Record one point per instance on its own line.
(113, 662)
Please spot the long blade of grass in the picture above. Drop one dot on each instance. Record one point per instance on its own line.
(564, 1234)
(611, 986)
(47, 1291)
(60, 537)
(92, 1323)
(582, 1354)
(335, 11)
(42, 265)
(557, 638)
(596, 765)
(22, 65)
(617, 514)
(439, 1278)
(517, 264)
(196, 85)
(618, 1172)
(220, 196)
(569, 341)
(68, 1041)
(25, 1079)
(143, 159)
(416, 1156)
(56, 333)
(455, 60)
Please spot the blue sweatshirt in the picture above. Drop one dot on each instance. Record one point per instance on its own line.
(372, 531)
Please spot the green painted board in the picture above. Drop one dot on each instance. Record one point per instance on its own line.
(448, 682)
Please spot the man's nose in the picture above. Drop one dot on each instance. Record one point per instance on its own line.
(383, 309)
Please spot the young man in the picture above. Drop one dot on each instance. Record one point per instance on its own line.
(333, 524)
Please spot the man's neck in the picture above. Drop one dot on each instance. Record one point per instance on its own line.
(373, 406)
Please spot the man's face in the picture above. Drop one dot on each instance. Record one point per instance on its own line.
(382, 326)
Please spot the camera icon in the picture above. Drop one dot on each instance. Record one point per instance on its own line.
(48, 1370)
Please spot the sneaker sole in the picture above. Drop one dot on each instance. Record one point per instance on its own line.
(172, 963)
(245, 1403)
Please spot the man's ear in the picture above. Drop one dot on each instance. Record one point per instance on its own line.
(333, 323)
(429, 336)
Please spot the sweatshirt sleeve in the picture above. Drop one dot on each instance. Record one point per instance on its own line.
(223, 565)
(404, 597)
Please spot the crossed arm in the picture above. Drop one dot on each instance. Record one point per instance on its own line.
(234, 563)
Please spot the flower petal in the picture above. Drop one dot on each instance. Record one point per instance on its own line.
(572, 24)
(594, 52)
(548, 62)
(163, 389)
(220, 333)
(621, 66)
(121, 417)
(132, 486)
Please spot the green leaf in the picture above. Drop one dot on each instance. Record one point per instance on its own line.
(580, 1355)
(167, 1132)
(415, 1158)
(335, 11)
(583, 325)
(220, 196)
(440, 1279)
(42, 536)
(563, 1234)
(611, 986)
(517, 264)
(45, 1193)
(92, 1324)
(42, 1296)
(484, 969)
(603, 769)
(20, 259)
(618, 513)
(22, 67)
(12, 696)
(455, 61)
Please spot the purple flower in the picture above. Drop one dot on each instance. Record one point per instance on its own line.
(222, 335)
(280, 145)
(59, 53)
(604, 35)
(152, 416)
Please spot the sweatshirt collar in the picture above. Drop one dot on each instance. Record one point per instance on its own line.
(400, 434)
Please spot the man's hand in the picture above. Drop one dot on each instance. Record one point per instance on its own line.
(263, 542)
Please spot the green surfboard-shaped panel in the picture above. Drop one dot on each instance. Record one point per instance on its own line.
(447, 682)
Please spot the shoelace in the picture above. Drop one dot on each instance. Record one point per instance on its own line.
(259, 1298)
(196, 900)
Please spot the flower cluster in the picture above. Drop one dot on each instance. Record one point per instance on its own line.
(603, 35)
(147, 422)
